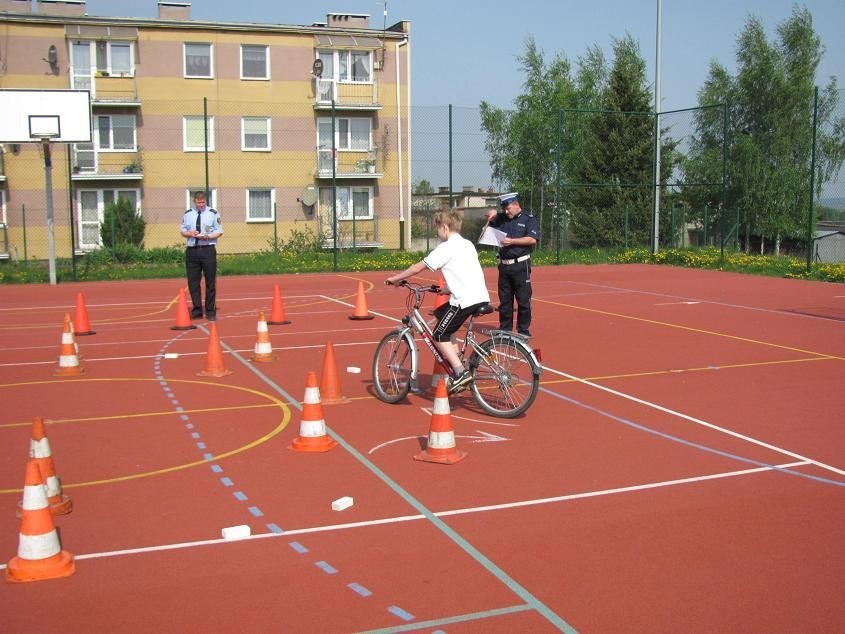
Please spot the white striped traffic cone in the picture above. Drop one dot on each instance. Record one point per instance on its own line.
(39, 449)
(263, 347)
(68, 359)
(312, 428)
(441, 438)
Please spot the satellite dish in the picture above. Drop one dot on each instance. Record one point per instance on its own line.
(309, 196)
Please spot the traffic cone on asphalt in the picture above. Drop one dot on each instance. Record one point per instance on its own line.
(70, 327)
(312, 427)
(441, 438)
(68, 359)
(214, 357)
(183, 315)
(330, 379)
(438, 373)
(277, 310)
(80, 322)
(40, 554)
(263, 347)
(441, 298)
(40, 451)
(361, 311)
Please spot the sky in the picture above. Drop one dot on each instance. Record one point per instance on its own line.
(464, 51)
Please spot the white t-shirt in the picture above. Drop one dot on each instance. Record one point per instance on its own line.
(457, 259)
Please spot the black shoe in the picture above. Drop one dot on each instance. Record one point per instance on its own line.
(211, 317)
(525, 333)
(196, 315)
(459, 384)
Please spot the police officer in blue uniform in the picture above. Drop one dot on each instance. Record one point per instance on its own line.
(523, 232)
(201, 228)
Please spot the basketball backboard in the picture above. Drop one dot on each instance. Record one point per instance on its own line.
(62, 116)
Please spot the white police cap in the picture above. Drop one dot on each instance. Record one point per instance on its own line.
(506, 199)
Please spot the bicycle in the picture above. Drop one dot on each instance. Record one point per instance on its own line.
(505, 370)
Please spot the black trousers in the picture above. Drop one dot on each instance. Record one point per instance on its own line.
(515, 284)
(202, 262)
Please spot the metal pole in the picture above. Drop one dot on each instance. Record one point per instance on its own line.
(557, 190)
(450, 156)
(48, 187)
(334, 191)
(811, 212)
(71, 220)
(658, 54)
(205, 150)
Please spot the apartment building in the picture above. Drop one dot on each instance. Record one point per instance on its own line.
(289, 128)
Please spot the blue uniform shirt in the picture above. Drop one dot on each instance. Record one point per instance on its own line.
(209, 223)
(521, 225)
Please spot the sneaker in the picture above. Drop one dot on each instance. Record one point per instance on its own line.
(459, 384)
(211, 316)
(196, 315)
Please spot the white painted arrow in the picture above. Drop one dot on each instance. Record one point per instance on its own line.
(484, 437)
(676, 303)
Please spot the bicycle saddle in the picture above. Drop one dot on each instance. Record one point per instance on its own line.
(484, 309)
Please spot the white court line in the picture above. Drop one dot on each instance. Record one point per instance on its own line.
(697, 421)
(463, 511)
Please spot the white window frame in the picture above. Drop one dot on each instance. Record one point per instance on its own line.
(210, 46)
(200, 148)
(248, 206)
(345, 145)
(267, 134)
(266, 75)
(346, 194)
(210, 200)
(342, 59)
(101, 207)
(2, 205)
(98, 142)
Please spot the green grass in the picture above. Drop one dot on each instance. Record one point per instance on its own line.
(136, 264)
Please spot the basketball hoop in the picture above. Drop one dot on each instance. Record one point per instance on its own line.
(44, 127)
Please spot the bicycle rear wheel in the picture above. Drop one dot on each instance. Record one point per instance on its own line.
(392, 367)
(505, 381)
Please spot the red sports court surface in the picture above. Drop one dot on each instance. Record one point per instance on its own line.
(681, 470)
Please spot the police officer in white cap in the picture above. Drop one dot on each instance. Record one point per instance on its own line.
(523, 232)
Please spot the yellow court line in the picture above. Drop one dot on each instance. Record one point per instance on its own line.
(258, 441)
(730, 366)
(691, 329)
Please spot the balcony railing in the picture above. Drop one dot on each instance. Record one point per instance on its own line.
(349, 164)
(346, 95)
(91, 165)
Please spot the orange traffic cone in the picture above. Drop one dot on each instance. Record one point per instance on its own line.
(312, 428)
(441, 438)
(214, 357)
(438, 373)
(440, 298)
(39, 450)
(330, 379)
(361, 311)
(69, 324)
(277, 310)
(81, 321)
(68, 359)
(263, 347)
(183, 315)
(40, 554)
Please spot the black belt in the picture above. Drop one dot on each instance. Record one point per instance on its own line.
(201, 246)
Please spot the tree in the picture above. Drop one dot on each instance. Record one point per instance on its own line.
(122, 225)
(769, 136)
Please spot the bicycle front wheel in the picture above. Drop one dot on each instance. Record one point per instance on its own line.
(392, 367)
(505, 382)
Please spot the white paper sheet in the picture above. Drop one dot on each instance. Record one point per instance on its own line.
(492, 236)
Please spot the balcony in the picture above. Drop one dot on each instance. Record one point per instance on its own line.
(346, 95)
(114, 90)
(349, 164)
(89, 165)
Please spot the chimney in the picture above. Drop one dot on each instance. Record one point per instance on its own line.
(61, 7)
(16, 6)
(174, 10)
(442, 190)
(468, 189)
(348, 20)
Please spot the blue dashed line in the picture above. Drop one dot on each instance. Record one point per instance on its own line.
(185, 417)
(275, 528)
(201, 445)
(397, 611)
(216, 468)
(298, 547)
(239, 495)
(357, 587)
(195, 434)
(227, 482)
(207, 456)
(255, 511)
(178, 408)
(322, 565)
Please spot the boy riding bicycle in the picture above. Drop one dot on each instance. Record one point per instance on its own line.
(457, 260)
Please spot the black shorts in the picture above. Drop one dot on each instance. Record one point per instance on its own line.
(450, 318)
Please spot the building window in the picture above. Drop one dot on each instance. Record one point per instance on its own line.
(255, 63)
(260, 205)
(91, 204)
(194, 130)
(352, 133)
(357, 200)
(2, 206)
(347, 66)
(255, 134)
(199, 62)
(116, 132)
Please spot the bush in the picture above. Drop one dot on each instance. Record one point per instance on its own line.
(121, 221)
